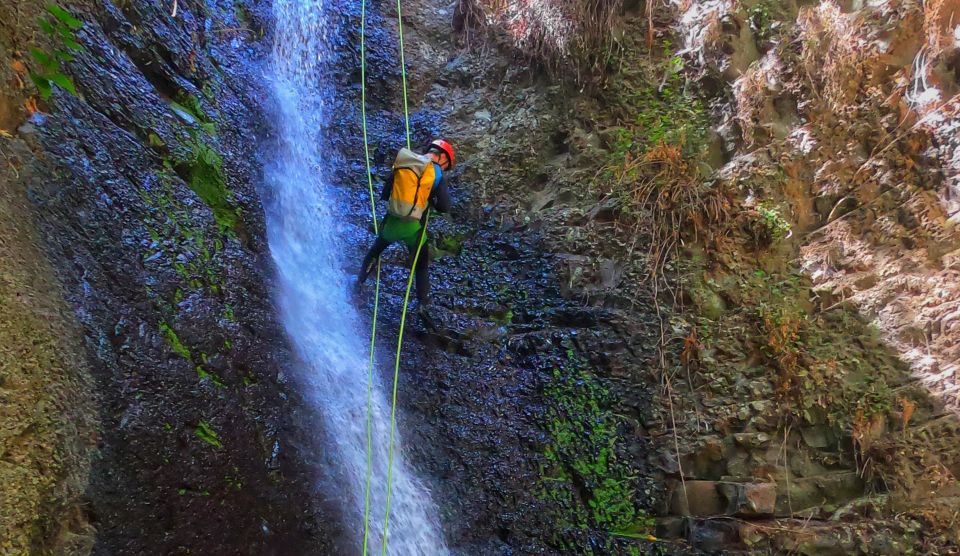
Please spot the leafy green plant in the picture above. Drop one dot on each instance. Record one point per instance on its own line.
(59, 25)
(206, 433)
(875, 397)
(767, 225)
(761, 20)
(777, 225)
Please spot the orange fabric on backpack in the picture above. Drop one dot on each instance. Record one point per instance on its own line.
(413, 179)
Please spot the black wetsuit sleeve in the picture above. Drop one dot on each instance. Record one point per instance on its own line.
(440, 196)
(387, 187)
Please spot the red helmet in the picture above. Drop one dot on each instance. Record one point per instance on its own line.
(446, 148)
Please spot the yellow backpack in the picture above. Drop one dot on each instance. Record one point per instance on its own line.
(413, 178)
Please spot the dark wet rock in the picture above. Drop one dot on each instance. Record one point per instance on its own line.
(671, 527)
(473, 407)
(832, 489)
(698, 498)
(711, 536)
(818, 436)
(180, 331)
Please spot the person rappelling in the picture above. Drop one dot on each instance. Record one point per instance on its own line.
(417, 184)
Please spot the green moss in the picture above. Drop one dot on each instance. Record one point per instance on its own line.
(156, 141)
(503, 318)
(171, 223)
(206, 433)
(240, 12)
(584, 479)
(171, 226)
(204, 374)
(233, 479)
(188, 107)
(174, 341)
(184, 352)
(205, 176)
(451, 244)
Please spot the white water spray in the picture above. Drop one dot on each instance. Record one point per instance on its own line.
(322, 324)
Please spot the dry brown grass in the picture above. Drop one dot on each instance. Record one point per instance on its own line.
(556, 33)
(833, 56)
(940, 19)
(750, 94)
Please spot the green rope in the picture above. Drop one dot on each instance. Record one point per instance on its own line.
(406, 298)
(396, 376)
(366, 494)
(403, 73)
(376, 296)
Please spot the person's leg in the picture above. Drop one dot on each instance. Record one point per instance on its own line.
(368, 261)
(423, 277)
(421, 274)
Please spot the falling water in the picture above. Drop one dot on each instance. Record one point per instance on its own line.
(323, 325)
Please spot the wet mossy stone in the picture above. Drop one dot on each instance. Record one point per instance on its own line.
(204, 174)
(708, 303)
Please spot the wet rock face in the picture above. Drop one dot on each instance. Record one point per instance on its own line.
(495, 404)
(143, 189)
(47, 417)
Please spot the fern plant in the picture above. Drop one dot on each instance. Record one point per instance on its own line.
(59, 25)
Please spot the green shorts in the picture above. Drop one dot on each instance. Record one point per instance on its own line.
(393, 229)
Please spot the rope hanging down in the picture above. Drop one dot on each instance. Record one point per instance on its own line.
(406, 297)
(376, 295)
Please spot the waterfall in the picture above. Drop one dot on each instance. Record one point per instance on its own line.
(330, 339)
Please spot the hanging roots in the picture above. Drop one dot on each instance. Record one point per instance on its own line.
(671, 193)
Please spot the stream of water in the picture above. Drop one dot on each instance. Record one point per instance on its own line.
(329, 336)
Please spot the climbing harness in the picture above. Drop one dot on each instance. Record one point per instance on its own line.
(406, 297)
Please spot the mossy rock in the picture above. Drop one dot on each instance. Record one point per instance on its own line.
(707, 302)
(204, 173)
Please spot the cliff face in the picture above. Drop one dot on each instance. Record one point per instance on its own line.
(700, 269)
(837, 124)
(783, 174)
(48, 419)
(140, 190)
